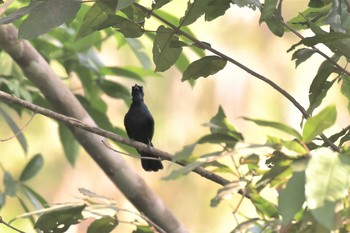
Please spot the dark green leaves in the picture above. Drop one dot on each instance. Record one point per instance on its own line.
(292, 197)
(204, 67)
(345, 89)
(58, 220)
(15, 129)
(40, 21)
(317, 124)
(271, 15)
(103, 225)
(70, 145)
(32, 168)
(164, 55)
(194, 10)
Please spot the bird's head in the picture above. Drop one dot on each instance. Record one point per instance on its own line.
(137, 93)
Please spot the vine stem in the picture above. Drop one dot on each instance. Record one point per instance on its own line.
(206, 46)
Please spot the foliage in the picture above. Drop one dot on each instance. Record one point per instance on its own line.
(310, 178)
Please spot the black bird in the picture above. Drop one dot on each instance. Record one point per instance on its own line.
(139, 125)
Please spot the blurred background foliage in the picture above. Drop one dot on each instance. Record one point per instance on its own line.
(100, 66)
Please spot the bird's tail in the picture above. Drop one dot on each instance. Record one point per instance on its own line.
(149, 164)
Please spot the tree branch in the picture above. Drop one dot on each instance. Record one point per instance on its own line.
(37, 70)
(206, 46)
(70, 121)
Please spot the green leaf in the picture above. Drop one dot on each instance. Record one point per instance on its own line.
(292, 197)
(317, 124)
(268, 10)
(10, 184)
(217, 138)
(125, 26)
(227, 192)
(183, 171)
(114, 89)
(134, 73)
(345, 88)
(157, 4)
(302, 55)
(327, 177)
(58, 220)
(105, 224)
(204, 67)
(70, 145)
(15, 129)
(20, 12)
(194, 10)
(143, 229)
(123, 4)
(320, 86)
(263, 207)
(32, 168)
(39, 21)
(185, 153)
(164, 56)
(315, 15)
(34, 197)
(325, 214)
(216, 8)
(276, 125)
(93, 19)
(220, 124)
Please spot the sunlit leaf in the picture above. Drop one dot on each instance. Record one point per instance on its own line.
(227, 192)
(317, 124)
(327, 177)
(143, 229)
(217, 138)
(220, 124)
(183, 171)
(32, 167)
(19, 13)
(276, 125)
(185, 153)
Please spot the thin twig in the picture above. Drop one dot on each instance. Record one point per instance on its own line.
(19, 131)
(206, 46)
(9, 226)
(317, 50)
(107, 134)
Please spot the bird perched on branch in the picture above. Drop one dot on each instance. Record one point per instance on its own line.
(139, 125)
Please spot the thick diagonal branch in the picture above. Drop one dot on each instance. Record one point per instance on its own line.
(63, 101)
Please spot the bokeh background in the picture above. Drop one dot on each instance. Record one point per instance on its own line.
(179, 111)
